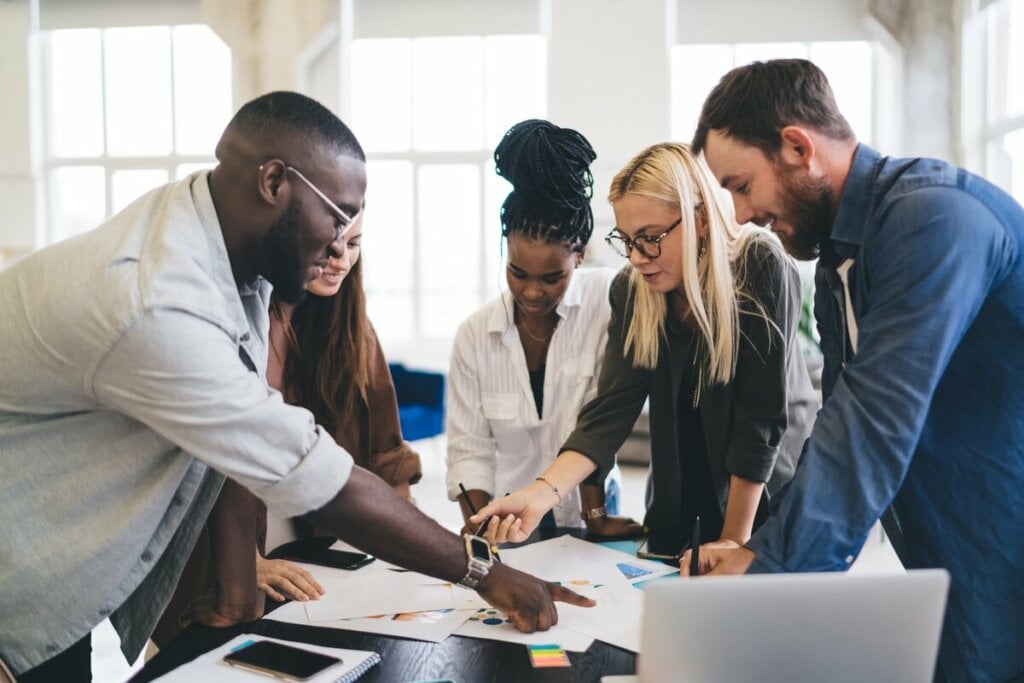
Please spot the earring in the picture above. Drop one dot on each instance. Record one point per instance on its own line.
(703, 248)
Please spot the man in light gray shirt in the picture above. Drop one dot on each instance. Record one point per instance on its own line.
(132, 380)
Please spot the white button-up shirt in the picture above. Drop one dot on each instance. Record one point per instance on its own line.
(131, 368)
(496, 441)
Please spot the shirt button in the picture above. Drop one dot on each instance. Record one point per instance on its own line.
(177, 500)
(147, 556)
(244, 337)
(849, 559)
(51, 648)
(104, 612)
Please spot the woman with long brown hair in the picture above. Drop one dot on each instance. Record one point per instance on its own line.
(324, 356)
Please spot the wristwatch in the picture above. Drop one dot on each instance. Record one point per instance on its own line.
(594, 513)
(479, 561)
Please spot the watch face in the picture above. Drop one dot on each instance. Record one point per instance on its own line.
(480, 548)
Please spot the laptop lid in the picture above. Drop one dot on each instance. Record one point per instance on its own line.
(794, 627)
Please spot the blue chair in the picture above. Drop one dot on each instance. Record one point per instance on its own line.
(420, 401)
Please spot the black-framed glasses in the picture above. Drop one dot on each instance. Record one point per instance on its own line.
(345, 222)
(648, 245)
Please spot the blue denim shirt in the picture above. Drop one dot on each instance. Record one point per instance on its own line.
(927, 418)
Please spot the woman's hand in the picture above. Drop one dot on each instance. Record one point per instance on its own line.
(718, 557)
(614, 527)
(280, 579)
(516, 515)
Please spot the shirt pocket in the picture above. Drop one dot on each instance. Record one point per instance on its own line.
(579, 370)
(500, 408)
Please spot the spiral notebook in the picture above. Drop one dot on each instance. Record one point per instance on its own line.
(210, 667)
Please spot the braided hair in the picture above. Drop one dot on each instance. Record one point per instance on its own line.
(549, 168)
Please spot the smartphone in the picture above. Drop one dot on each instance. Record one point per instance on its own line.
(339, 559)
(655, 551)
(280, 660)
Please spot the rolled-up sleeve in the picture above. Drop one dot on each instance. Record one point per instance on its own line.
(760, 399)
(201, 397)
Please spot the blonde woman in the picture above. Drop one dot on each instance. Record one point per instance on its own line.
(704, 326)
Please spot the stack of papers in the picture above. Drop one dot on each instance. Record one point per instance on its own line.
(380, 598)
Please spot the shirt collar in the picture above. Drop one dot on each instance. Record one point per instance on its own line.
(501, 319)
(854, 205)
(220, 264)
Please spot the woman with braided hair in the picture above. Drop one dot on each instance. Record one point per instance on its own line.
(523, 365)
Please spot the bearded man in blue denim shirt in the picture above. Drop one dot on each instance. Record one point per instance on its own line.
(920, 306)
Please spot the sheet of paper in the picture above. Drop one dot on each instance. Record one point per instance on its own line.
(580, 565)
(381, 593)
(490, 624)
(614, 620)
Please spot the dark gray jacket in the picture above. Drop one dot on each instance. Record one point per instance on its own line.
(754, 426)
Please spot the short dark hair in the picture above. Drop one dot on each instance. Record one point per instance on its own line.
(281, 112)
(753, 103)
(549, 169)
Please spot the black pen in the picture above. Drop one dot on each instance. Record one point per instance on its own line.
(472, 509)
(695, 548)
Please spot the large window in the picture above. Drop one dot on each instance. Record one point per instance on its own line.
(127, 109)
(1003, 25)
(429, 112)
(848, 64)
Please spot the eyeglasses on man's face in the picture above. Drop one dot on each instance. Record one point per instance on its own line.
(648, 245)
(344, 220)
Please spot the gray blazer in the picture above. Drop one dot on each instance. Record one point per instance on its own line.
(754, 426)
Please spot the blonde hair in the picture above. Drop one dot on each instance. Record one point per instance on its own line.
(670, 173)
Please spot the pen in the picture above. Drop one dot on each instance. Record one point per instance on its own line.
(695, 548)
(472, 509)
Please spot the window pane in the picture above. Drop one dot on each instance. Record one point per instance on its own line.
(183, 170)
(449, 221)
(78, 200)
(382, 116)
(1006, 60)
(202, 88)
(760, 52)
(496, 189)
(444, 309)
(516, 77)
(448, 93)
(127, 186)
(848, 66)
(76, 93)
(1006, 163)
(696, 69)
(388, 245)
(392, 316)
(138, 70)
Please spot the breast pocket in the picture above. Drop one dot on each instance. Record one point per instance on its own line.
(579, 370)
(499, 407)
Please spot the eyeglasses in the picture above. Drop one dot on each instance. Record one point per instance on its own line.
(345, 221)
(648, 245)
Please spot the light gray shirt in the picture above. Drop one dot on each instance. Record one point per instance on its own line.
(131, 374)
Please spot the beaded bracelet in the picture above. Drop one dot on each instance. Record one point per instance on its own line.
(553, 487)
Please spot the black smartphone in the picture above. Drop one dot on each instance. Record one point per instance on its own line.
(651, 550)
(339, 559)
(280, 660)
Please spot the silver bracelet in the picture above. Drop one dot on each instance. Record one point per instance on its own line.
(553, 488)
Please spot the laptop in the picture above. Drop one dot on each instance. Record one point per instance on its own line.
(794, 627)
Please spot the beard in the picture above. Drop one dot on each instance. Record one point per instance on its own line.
(809, 210)
(281, 245)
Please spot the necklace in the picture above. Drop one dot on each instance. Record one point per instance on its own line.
(526, 328)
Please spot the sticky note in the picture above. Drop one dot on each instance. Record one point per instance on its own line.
(548, 655)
